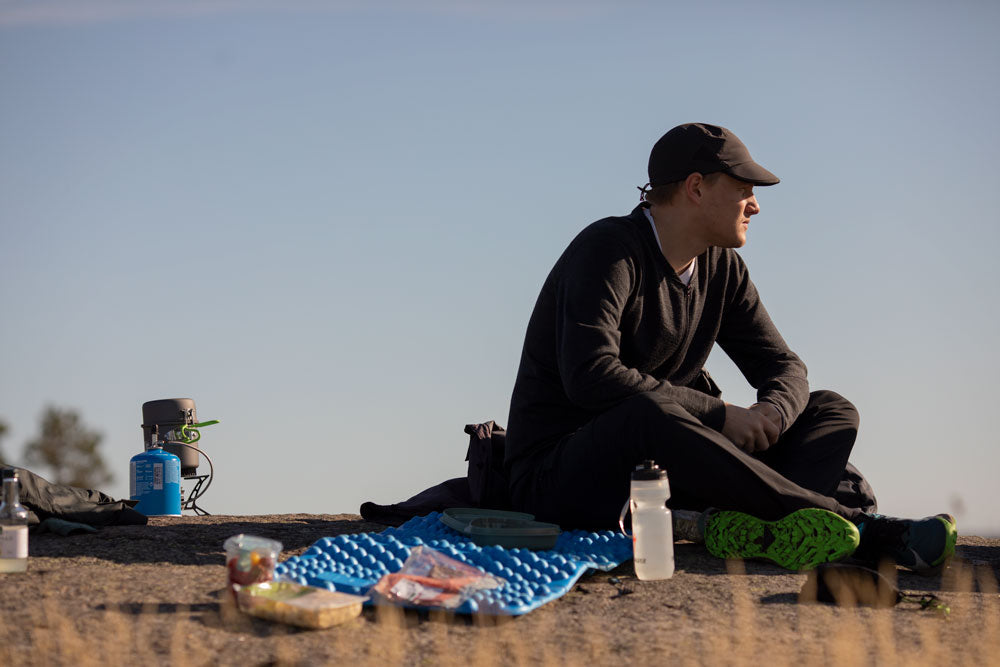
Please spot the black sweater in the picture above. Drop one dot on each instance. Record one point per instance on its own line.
(614, 320)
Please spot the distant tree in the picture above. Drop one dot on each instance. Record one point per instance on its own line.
(3, 432)
(67, 448)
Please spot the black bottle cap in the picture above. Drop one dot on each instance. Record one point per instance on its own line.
(9, 473)
(649, 471)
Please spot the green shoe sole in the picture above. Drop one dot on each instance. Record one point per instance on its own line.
(800, 541)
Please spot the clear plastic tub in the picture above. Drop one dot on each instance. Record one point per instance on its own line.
(250, 560)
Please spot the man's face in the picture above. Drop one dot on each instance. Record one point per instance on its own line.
(727, 205)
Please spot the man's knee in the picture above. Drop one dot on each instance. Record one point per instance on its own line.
(832, 404)
(651, 418)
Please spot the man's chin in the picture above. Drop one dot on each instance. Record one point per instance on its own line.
(731, 243)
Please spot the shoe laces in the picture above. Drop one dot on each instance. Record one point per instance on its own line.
(927, 601)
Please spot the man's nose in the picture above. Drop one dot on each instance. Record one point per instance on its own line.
(753, 208)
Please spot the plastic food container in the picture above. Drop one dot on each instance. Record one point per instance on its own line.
(292, 603)
(250, 560)
(510, 530)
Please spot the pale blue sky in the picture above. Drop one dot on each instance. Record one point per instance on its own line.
(327, 222)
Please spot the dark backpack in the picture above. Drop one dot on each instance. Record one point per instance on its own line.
(45, 499)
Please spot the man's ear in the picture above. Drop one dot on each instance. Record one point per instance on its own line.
(693, 186)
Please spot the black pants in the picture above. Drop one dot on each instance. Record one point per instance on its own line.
(583, 481)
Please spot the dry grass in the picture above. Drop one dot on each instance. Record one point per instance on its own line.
(150, 595)
(742, 632)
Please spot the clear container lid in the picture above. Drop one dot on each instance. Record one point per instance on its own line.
(250, 543)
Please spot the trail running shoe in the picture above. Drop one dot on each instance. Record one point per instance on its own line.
(800, 541)
(922, 545)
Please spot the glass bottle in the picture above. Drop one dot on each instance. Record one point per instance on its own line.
(13, 526)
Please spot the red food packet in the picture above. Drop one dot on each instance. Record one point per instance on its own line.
(428, 578)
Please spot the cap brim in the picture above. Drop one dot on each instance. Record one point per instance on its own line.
(751, 172)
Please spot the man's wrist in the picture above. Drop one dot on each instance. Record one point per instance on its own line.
(781, 417)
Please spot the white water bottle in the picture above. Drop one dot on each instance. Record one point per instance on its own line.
(652, 527)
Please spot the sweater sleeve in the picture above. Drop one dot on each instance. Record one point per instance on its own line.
(595, 288)
(752, 341)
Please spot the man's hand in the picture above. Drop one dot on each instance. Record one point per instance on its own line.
(753, 429)
(772, 414)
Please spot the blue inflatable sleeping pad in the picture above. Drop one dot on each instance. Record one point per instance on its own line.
(354, 563)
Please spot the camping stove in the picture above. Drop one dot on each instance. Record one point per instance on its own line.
(173, 424)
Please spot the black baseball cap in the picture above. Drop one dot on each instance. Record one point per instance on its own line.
(706, 149)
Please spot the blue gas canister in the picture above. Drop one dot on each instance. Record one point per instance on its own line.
(155, 481)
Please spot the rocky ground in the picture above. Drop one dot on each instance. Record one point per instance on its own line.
(154, 595)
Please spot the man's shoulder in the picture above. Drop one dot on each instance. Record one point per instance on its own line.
(620, 229)
(637, 216)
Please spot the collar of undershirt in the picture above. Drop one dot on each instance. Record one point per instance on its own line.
(687, 273)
